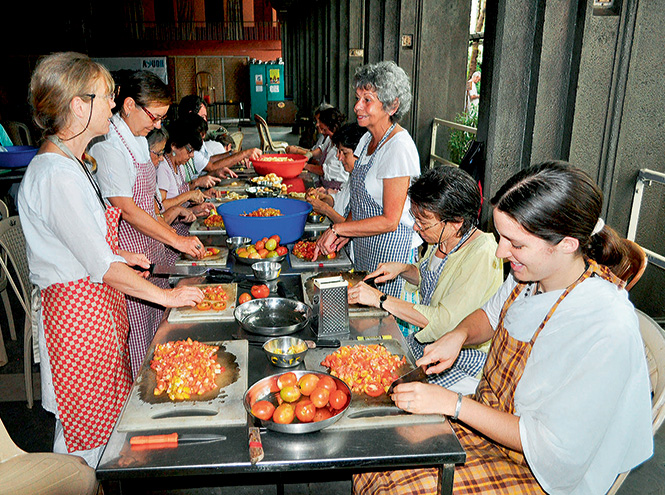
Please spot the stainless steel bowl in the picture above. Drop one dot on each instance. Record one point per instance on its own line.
(234, 243)
(280, 351)
(266, 270)
(251, 261)
(315, 218)
(267, 389)
(273, 316)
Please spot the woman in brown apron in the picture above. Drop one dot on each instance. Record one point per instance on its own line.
(127, 177)
(75, 259)
(564, 402)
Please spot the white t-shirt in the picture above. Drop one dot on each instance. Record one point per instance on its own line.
(584, 398)
(166, 179)
(341, 198)
(333, 169)
(201, 159)
(215, 148)
(397, 157)
(116, 173)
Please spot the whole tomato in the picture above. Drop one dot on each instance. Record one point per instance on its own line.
(321, 414)
(244, 297)
(290, 393)
(263, 409)
(308, 383)
(259, 245)
(287, 380)
(338, 399)
(328, 383)
(276, 238)
(281, 250)
(305, 411)
(284, 414)
(319, 396)
(260, 291)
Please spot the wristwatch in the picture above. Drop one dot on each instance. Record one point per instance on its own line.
(382, 299)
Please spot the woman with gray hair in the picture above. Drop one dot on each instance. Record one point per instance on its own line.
(379, 220)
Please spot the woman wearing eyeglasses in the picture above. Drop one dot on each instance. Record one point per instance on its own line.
(127, 178)
(457, 275)
(74, 258)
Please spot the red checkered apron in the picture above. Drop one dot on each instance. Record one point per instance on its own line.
(181, 228)
(86, 328)
(489, 468)
(144, 317)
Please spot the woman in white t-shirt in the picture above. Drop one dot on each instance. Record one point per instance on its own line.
(379, 220)
(564, 403)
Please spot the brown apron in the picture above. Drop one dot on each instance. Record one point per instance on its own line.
(489, 467)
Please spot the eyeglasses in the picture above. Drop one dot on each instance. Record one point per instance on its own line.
(189, 149)
(161, 153)
(417, 223)
(107, 96)
(152, 117)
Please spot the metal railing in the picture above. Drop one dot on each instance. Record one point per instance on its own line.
(644, 178)
(433, 157)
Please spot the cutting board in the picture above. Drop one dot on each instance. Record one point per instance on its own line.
(341, 261)
(237, 184)
(355, 310)
(366, 411)
(218, 260)
(189, 314)
(199, 228)
(223, 407)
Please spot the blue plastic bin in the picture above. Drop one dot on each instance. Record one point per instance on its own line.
(17, 156)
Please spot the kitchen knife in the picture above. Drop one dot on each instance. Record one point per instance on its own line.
(172, 440)
(416, 375)
(169, 270)
(255, 445)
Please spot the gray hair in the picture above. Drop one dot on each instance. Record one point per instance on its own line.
(391, 84)
(157, 136)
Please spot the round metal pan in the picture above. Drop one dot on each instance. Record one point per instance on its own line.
(273, 316)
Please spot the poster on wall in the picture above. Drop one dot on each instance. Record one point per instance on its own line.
(157, 65)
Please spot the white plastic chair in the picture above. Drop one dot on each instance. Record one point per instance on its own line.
(267, 144)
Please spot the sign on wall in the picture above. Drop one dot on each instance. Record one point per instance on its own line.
(157, 65)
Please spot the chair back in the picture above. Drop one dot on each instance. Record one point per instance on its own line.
(13, 248)
(19, 133)
(8, 448)
(633, 265)
(237, 137)
(4, 213)
(205, 87)
(264, 132)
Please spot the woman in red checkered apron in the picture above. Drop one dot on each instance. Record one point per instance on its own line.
(564, 402)
(74, 258)
(127, 178)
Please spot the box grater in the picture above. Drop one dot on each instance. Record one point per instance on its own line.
(331, 305)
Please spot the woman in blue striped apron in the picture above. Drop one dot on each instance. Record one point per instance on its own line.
(457, 275)
(379, 220)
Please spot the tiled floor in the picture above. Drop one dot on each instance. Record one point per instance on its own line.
(32, 429)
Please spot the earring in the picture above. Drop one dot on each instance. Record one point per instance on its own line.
(173, 153)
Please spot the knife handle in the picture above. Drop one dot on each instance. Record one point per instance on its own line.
(171, 438)
(255, 445)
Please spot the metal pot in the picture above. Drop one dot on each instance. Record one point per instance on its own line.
(273, 316)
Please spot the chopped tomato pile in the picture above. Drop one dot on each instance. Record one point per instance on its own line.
(185, 368)
(368, 369)
(305, 251)
(263, 212)
(214, 221)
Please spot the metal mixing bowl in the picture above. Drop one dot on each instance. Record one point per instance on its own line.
(273, 316)
(315, 218)
(266, 270)
(280, 351)
(234, 243)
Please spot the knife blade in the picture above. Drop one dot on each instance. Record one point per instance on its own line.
(255, 446)
(185, 270)
(416, 375)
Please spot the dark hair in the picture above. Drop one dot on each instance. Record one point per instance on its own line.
(348, 135)
(143, 87)
(182, 133)
(450, 193)
(226, 139)
(554, 200)
(332, 118)
(190, 104)
(195, 121)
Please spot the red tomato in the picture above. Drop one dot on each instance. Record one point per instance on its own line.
(373, 390)
(319, 396)
(276, 237)
(259, 245)
(305, 411)
(328, 383)
(281, 250)
(219, 305)
(308, 383)
(290, 393)
(284, 414)
(244, 297)
(263, 409)
(264, 240)
(260, 291)
(203, 306)
(331, 256)
(321, 414)
(338, 399)
(287, 380)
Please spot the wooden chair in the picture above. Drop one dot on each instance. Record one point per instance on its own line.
(633, 266)
(267, 144)
(12, 248)
(23, 473)
(653, 337)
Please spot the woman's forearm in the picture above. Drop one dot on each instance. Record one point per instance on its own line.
(121, 277)
(411, 274)
(366, 227)
(177, 200)
(405, 311)
(143, 222)
(502, 427)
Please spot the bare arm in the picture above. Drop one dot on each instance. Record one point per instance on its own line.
(218, 162)
(195, 196)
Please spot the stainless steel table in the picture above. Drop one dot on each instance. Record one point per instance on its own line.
(320, 456)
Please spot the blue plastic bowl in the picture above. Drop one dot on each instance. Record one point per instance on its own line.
(17, 156)
(289, 227)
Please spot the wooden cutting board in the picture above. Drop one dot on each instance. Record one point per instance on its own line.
(222, 407)
(199, 228)
(218, 260)
(237, 184)
(342, 260)
(355, 310)
(189, 314)
(366, 411)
